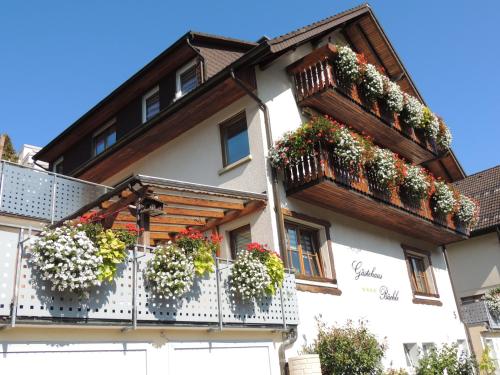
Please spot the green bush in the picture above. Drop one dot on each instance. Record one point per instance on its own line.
(393, 371)
(446, 358)
(351, 349)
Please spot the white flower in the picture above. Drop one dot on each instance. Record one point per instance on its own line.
(443, 198)
(347, 65)
(393, 96)
(444, 137)
(415, 183)
(347, 148)
(382, 167)
(63, 256)
(413, 111)
(249, 277)
(372, 83)
(467, 210)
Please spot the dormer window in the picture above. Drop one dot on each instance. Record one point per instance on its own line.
(105, 139)
(150, 104)
(186, 79)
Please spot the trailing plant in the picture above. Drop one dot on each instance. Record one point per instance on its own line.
(382, 167)
(128, 235)
(429, 123)
(273, 263)
(443, 198)
(347, 65)
(413, 111)
(393, 96)
(486, 365)
(492, 298)
(446, 360)
(415, 182)
(170, 272)
(467, 210)
(371, 82)
(249, 277)
(113, 251)
(350, 349)
(200, 248)
(444, 137)
(68, 259)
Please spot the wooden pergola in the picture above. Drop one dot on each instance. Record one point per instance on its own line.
(184, 206)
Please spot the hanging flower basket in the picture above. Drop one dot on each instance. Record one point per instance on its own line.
(492, 298)
(443, 199)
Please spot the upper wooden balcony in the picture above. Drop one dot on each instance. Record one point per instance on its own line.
(321, 180)
(317, 87)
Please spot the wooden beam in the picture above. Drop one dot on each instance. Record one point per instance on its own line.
(159, 236)
(200, 202)
(120, 204)
(232, 215)
(166, 220)
(153, 227)
(193, 212)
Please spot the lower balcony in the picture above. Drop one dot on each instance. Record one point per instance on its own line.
(478, 312)
(320, 180)
(128, 302)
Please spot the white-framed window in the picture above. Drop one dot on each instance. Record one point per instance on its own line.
(57, 166)
(104, 138)
(150, 104)
(186, 79)
(411, 354)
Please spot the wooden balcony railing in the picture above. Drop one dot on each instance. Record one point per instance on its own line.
(317, 86)
(321, 179)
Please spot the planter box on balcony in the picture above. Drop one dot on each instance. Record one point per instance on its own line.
(317, 86)
(320, 180)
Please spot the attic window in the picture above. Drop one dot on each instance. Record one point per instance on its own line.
(150, 104)
(187, 79)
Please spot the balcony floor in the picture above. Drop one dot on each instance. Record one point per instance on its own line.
(326, 193)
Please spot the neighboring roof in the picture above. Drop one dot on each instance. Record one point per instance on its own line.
(485, 187)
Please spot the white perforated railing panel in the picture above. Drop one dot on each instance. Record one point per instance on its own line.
(114, 301)
(9, 238)
(32, 193)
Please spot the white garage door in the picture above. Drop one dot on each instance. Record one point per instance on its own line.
(74, 362)
(239, 360)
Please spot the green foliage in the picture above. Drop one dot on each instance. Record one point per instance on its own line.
(113, 251)
(204, 260)
(200, 248)
(486, 364)
(446, 358)
(129, 238)
(9, 153)
(92, 230)
(276, 271)
(349, 349)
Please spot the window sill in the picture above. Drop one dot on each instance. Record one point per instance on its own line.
(427, 301)
(234, 165)
(315, 286)
(425, 295)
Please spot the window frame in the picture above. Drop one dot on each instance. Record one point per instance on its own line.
(59, 161)
(315, 241)
(223, 127)
(105, 130)
(145, 97)
(425, 256)
(178, 87)
(232, 240)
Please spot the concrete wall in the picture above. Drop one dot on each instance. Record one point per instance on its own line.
(477, 276)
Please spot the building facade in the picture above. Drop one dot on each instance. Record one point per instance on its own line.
(473, 279)
(200, 118)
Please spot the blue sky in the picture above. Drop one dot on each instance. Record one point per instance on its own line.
(59, 58)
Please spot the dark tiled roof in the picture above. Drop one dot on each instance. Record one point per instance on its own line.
(315, 28)
(485, 187)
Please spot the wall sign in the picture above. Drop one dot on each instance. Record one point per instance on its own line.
(370, 272)
(359, 271)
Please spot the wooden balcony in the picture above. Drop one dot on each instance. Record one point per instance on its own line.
(317, 87)
(321, 180)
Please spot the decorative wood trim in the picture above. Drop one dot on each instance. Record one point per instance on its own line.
(324, 223)
(189, 201)
(425, 301)
(319, 289)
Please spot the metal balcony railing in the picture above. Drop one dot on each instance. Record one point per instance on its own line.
(128, 301)
(47, 196)
(478, 312)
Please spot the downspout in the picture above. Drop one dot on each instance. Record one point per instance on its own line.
(290, 335)
(202, 59)
(274, 176)
(457, 302)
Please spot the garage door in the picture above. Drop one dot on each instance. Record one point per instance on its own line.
(241, 360)
(74, 362)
